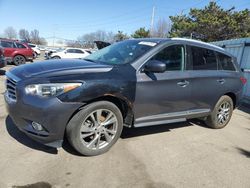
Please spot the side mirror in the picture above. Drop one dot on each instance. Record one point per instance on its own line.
(65, 52)
(155, 66)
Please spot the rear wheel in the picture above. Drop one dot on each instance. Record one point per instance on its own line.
(96, 128)
(19, 60)
(221, 114)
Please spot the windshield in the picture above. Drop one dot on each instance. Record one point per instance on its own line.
(122, 52)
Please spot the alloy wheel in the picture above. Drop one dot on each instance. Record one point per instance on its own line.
(98, 129)
(223, 112)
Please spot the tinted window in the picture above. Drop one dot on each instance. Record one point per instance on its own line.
(20, 45)
(172, 56)
(32, 46)
(79, 51)
(7, 44)
(225, 62)
(71, 50)
(203, 59)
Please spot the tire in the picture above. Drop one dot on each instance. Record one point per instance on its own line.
(35, 55)
(56, 57)
(88, 136)
(221, 114)
(19, 60)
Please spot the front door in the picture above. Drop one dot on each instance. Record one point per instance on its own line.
(163, 95)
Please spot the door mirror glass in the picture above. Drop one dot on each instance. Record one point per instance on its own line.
(155, 66)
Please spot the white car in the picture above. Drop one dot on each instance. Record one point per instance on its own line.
(74, 53)
(36, 49)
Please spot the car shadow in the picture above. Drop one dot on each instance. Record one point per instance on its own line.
(127, 133)
(15, 133)
(2, 72)
(243, 152)
(142, 131)
(245, 108)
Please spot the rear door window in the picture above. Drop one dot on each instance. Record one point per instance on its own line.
(70, 50)
(203, 59)
(79, 51)
(225, 62)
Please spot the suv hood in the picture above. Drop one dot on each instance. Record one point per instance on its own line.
(58, 67)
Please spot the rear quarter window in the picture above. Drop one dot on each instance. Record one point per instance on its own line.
(225, 62)
(19, 45)
(7, 44)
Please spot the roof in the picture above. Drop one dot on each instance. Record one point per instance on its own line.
(160, 40)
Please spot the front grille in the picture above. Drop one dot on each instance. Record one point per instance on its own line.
(11, 88)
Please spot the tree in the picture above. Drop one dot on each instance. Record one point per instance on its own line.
(24, 35)
(162, 29)
(141, 33)
(34, 35)
(10, 33)
(212, 23)
(119, 36)
(87, 40)
(42, 41)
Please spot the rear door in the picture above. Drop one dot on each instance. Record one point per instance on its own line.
(8, 48)
(163, 95)
(206, 80)
(70, 53)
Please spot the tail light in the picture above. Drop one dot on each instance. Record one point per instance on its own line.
(243, 80)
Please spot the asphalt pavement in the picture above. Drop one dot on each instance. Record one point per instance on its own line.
(176, 155)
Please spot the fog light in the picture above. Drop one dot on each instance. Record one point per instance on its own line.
(37, 126)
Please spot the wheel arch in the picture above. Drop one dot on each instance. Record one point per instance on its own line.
(233, 97)
(19, 55)
(124, 106)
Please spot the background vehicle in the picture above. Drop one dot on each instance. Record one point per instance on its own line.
(2, 59)
(16, 52)
(133, 83)
(36, 49)
(74, 53)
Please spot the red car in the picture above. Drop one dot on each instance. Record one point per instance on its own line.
(16, 52)
(2, 59)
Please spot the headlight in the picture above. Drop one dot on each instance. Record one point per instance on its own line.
(53, 89)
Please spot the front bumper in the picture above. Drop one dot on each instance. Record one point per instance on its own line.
(52, 114)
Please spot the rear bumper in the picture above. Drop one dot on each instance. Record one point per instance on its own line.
(29, 58)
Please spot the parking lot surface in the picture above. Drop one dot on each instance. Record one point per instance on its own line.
(176, 155)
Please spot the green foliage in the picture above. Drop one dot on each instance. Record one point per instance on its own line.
(141, 33)
(120, 36)
(212, 23)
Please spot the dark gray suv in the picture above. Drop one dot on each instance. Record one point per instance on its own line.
(133, 83)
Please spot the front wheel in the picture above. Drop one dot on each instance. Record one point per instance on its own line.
(56, 57)
(95, 128)
(221, 114)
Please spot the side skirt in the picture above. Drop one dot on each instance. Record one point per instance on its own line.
(170, 117)
(144, 124)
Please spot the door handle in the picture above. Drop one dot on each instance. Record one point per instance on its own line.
(221, 81)
(183, 83)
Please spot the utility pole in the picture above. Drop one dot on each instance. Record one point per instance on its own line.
(152, 21)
